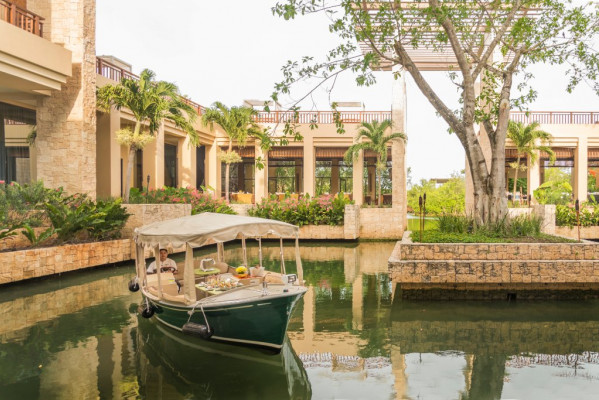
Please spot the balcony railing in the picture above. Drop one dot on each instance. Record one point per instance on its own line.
(556, 117)
(321, 117)
(23, 19)
(116, 73)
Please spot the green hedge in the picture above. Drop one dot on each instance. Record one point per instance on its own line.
(323, 210)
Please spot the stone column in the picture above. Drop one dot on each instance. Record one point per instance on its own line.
(398, 148)
(213, 170)
(309, 165)
(66, 120)
(187, 170)
(581, 169)
(3, 153)
(108, 155)
(261, 175)
(358, 179)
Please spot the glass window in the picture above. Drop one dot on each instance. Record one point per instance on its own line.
(241, 176)
(170, 165)
(323, 177)
(346, 182)
(283, 176)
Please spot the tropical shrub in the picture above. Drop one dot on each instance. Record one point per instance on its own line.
(449, 198)
(77, 217)
(322, 210)
(565, 215)
(22, 204)
(200, 201)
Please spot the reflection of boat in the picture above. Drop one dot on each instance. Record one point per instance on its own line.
(213, 303)
(170, 362)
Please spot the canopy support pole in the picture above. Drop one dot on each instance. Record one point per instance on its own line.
(157, 261)
(140, 264)
(189, 289)
(220, 252)
(260, 251)
(282, 257)
(298, 262)
(245, 254)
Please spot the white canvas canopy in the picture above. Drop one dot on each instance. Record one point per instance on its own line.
(201, 229)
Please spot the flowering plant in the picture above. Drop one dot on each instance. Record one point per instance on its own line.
(200, 201)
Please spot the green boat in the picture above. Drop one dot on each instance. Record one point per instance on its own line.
(215, 301)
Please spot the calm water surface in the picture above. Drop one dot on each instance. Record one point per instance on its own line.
(79, 337)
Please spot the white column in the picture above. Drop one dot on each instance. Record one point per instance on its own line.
(533, 178)
(261, 175)
(309, 165)
(398, 148)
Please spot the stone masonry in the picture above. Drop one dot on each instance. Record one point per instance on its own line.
(66, 120)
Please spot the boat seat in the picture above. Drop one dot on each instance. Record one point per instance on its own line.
(273, 277)
(222, 266)
(170, 292)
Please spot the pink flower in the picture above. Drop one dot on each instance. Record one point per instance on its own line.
(2, 183)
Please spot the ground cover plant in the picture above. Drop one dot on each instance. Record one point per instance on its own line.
(49, 216)
(455, 228)
(322, 210)
(201, 201)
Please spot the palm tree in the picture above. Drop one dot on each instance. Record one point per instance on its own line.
(239, 125)
(377, 141)
(151, 102)
(528, 139)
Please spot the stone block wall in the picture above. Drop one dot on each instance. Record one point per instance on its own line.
(351, 221)
(143, 214)
(66, 120)
(381, 223)
(586, 232)
(322, 232)
(494, 265)
(34, 263)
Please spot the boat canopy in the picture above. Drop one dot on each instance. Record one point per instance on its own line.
(206, 228)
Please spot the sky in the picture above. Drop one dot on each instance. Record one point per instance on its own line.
(233, 50)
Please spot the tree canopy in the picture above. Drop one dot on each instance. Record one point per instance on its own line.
(487, 43)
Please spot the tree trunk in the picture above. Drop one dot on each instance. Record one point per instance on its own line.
(129, 173)
(516, 178)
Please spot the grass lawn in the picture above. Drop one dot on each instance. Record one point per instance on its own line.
(436, 236)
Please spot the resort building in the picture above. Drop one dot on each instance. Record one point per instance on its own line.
(53, 131)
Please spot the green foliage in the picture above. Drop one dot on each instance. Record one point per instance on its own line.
(77, 217)
(556, 189)
(21, 204)
(455, 228)
(34, 239)
(200, 201)
(449, 198)
(565, 215)
(323, 210)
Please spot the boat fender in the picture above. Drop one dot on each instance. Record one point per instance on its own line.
(147, 310)
(133, 285)
(200, 330)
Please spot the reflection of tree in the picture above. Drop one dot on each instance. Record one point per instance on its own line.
(487, 378)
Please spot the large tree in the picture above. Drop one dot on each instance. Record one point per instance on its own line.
(239, 125)
(371, 136)
(491, 42)
(529, 140)
(151, 102)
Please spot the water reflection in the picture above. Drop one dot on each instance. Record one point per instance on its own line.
(78, 336)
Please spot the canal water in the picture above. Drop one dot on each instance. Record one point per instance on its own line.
(79, 337)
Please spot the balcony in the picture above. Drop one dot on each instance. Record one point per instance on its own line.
(556, 117)
(115, 73)
(321, 117)
(30, 66)
(20, 18)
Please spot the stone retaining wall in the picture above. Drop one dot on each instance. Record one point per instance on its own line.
(143, 214)
(322, 232)
(34, 263)
(588, 232)
(483, 267)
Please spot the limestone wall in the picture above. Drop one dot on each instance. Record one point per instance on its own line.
(143, 214)
(322, 232)
(588, 232)
(381, 223)
(34, 263)
(494, 264)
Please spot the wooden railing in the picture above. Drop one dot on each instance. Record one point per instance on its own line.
(23, 19)
(116, 73)
(556, 117)
(321, 117)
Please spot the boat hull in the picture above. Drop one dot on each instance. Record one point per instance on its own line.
(260, 322)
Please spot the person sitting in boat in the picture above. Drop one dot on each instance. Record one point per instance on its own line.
(166, 264)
